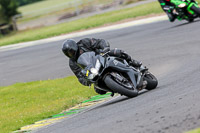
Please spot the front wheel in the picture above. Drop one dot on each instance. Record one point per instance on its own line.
(116, 87)
(196, 10)
(152, 82)
(190, 20)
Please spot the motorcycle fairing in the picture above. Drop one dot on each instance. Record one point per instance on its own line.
(87, 59)
(118, 64)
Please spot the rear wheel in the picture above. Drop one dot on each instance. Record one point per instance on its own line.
(152, 82)
(116, 87)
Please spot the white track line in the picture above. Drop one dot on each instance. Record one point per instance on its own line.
(84, 111)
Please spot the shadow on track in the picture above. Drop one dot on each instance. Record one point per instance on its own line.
(120, 99)
(186, 23)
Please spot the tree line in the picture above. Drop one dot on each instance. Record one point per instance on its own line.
(8, 8)
(25, 2)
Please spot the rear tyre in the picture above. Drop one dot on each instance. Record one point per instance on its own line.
(116, 87)
(196, 10)
(152, 82)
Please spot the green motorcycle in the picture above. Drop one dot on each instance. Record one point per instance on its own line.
(185, 9)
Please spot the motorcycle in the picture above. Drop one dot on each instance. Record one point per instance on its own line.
(113, 74)
(185, 9)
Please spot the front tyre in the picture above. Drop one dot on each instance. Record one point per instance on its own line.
(196, 10)
(190, 20)
(152, 82)
(116, 87)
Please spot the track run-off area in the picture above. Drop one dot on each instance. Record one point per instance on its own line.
(171, 51)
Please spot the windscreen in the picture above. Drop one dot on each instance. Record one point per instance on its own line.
(87, 59)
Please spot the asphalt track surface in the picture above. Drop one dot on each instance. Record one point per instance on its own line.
(170, 50)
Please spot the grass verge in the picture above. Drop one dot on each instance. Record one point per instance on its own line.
(81, 24)
(47, 7)
(24, 103)
(195, 131)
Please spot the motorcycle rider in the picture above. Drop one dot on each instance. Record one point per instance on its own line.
(73, 50)
(168, 6)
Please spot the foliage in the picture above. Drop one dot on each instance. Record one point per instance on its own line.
(8, 9)
(25, 2)
(2, 17)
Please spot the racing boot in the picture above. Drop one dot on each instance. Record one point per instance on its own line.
(169, 11)
(101, 92)
(171, 16)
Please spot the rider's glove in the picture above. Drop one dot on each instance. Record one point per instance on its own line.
(102, 51)
(85, 73)
(84, 80)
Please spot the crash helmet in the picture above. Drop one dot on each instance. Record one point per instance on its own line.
(70, 48)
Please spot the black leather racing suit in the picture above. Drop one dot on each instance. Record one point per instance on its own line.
(98, 46)
(167, 7)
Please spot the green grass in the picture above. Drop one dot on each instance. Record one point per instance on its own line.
(24, 103)
(81, 24)
(53, 7)
(195, 131)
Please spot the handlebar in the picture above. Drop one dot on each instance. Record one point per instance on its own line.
(104, 54)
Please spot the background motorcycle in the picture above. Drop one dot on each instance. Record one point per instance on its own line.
(113, 74)
(185, 9)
